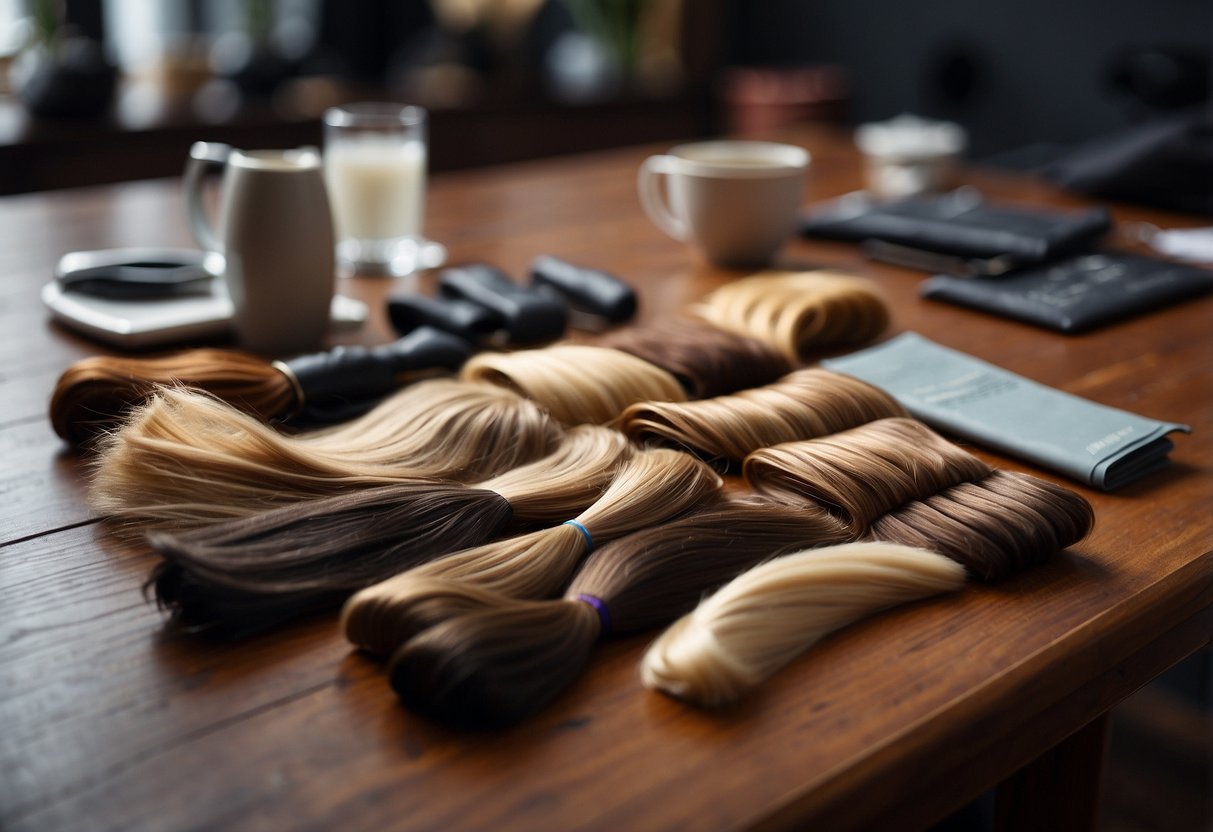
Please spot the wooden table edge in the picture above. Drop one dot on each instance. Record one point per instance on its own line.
(1150, 646)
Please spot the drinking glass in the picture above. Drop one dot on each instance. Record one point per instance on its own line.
(374, 164)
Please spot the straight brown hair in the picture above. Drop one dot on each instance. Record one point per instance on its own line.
(706, 360)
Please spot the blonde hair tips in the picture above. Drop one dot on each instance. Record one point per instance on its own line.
(186, 458)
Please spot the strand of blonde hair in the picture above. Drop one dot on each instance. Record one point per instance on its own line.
(759, 622)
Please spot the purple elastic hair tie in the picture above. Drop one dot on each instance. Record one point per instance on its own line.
(604, 615)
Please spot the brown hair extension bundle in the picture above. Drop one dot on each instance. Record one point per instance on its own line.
(506, 659)
(252, 573)
(577, 384)
(186, 458)
(707, 360)
(798, 312)
(995, 527)
(764, 618)
(802, 405)
(95, 393)
(652, 487)
(864, 472)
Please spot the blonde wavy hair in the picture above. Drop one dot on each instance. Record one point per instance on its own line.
(799, 312)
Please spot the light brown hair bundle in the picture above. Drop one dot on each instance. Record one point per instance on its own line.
(996, 526)
(186, 458)
(95, 393)
(802, 405)
(576, 384)
(252, 573)
(652, 487)
(764, 618)
(799, 312)
(706, 360)
(864, 472)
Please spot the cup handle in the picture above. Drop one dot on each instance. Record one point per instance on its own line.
(648, 184)
(203, 155)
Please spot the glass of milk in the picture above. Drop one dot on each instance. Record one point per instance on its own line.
(374, 166)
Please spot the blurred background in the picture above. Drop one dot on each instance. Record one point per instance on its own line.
(98, 91)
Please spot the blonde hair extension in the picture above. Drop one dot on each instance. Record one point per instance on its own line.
(502, 659)
(799, 312)
(186, 458)
(802, 405)
(252, 573)
(864, 472)
(652, 487)
(759, 622)
(577, 384)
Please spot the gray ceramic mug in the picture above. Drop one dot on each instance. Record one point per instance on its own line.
(275, 233)
(737, 201)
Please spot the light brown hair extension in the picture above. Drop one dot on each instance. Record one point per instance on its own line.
(764, 618)
(252, 573)
(706, 360)
(864, 472)
(799, 312)
(995, 527)
(652, 487)
(94, 394)
(576, 384)
(506, 659)
(186, 458)
(802, 405)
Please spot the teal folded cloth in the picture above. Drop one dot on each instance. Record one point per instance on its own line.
(962, 395)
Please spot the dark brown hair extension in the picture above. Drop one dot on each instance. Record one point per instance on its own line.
(254, 572)
(706, 360)
(802, 405)
(94, 394)
(996, 527)
(505, 659)
(862, 473)
(308, 557)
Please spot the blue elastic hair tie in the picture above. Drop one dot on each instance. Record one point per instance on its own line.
(589, 541)
(604, 615)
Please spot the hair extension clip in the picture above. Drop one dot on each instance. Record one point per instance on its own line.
(528, 315)
(586, 290)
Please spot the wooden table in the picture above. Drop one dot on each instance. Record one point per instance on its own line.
(107, 723)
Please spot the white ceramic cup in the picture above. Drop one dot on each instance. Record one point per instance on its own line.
(275, 233)
(737, 201)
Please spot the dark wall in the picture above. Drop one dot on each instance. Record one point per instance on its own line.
(1013, 71)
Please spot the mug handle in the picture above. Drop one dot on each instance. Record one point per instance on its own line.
(648, 184)
(203, 155)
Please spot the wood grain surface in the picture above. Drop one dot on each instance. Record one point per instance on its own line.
(107, 722)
